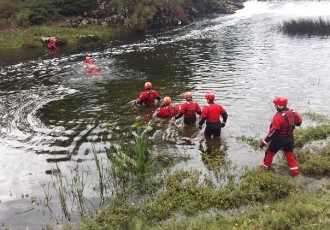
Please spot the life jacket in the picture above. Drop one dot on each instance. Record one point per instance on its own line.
(290, 123)
(213, 113)
(171, 110)
(150, 100)
(190, 109)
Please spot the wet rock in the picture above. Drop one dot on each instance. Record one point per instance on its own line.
(87, 38)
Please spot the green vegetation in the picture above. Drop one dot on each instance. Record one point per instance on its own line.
(306, 26)
(193, 200)
(22, 22)
(186, 194)
(303, 211)
(31, 37)
(252, 141)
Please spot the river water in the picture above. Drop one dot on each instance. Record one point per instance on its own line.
(51, 111)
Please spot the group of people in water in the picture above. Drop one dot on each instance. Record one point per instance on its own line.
(214, 114)
(279, 137)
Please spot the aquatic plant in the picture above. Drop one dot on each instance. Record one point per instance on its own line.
(306, 26)
(78, 184)
(142, 156)
(315, 162)
(320, 118)
(100, 170)
(252, 141)
(259, 185)
(311, 133)
(60, 186)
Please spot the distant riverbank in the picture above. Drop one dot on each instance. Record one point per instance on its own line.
(105, 21)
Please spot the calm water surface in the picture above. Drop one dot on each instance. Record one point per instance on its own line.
(51, 111)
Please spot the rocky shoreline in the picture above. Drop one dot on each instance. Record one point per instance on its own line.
(166, 15)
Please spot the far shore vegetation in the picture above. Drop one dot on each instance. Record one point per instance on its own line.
(306, 26)
(31, 37)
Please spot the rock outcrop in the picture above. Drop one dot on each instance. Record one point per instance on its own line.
(109, 14)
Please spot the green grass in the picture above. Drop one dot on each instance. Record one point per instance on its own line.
(303, 211)
(30, 37)
(188, 193)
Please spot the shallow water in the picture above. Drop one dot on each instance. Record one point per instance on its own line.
(51, 111)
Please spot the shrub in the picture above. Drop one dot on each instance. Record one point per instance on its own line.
(23, 17)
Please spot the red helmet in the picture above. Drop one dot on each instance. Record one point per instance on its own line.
(187, 95)
(210, 96)
(148, 85)
(167, 100)
(280, 101)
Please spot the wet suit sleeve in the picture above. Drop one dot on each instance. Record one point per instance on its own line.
(298, 119)
(271, 136)
(201, 122)
(224, 116)
(179, 116)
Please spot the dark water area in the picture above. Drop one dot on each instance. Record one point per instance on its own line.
(51, 111)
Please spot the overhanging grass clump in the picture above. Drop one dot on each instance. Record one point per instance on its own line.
(311, 133)
(304, 211)
(306, 26)
(260, 185)
(315, 163)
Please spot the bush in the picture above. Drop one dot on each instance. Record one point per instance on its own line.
(23, 18)
(8, 8)
(43, 11)
(74, 7)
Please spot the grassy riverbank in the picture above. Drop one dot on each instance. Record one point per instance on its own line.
(31, 36)
(224, 200)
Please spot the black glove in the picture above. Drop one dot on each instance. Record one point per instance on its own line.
(262, 144)
(223, 124)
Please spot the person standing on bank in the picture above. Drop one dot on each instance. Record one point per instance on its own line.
(167, 110)
(148, 96)
(280, 135)
(189, 109)
(211, 114)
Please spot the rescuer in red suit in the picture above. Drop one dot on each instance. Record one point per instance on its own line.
(89, 60)
(211, 114)
(148, 96)
(280, 135)
(52, 43)
(92, 69)
(167, 110)
(189, 109)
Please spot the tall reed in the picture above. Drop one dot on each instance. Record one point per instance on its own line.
(100, 170)
(141, 147)
(306, 26)
(62, 191)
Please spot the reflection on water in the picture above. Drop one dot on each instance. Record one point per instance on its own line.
(52, 112)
